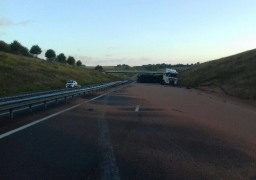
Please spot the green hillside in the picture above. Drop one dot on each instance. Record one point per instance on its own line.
(236, 74)
(19, 74)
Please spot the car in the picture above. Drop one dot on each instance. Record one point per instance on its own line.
(71, 84)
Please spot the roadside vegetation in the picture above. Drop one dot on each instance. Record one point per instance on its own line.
(18, 49)
(20, 74)
(99, 68)
(122, 66)
(236, 74)
(160, 67)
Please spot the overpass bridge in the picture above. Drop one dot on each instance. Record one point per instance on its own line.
(134, 72)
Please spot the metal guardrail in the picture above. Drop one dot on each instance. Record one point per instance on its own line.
(19, 96)
(44, 98)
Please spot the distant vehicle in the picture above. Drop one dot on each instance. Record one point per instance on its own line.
(71, 84)
(170, 77)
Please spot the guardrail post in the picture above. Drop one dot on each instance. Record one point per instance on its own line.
(57, 101)
(30, 108)
(72, 96)
(66, 99)
(45, 104)
(11, 113)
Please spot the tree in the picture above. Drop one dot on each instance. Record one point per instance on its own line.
(50, 55)
(71, 60)
(61, 58)
(98, 68)
(4, 47)
(24, 51)
(17, 48)
(79, 63)
(35, 50)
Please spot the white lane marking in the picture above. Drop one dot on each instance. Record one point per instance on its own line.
(50, 116)
(137, 108)
(108, 166)
(109, 169)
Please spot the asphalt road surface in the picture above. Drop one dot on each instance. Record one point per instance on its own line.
(137, 131)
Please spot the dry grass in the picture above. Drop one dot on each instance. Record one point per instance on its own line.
(19, 74)
(235, 74)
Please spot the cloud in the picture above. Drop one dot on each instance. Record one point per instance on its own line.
(85, 59)
(106, 60)
(42, 55)
(109, 60)
(8, 22)
(24, 23)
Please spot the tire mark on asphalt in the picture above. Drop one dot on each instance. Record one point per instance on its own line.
(108, 166)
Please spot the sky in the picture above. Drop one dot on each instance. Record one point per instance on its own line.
(134, 32)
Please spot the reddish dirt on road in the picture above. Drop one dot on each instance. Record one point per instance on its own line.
(185, 134)
(175, 134)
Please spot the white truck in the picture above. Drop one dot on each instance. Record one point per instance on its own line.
(170, 77)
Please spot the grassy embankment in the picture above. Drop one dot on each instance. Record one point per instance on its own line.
(236, 74)
(19, 74)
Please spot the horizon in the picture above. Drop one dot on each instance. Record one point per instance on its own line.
(132, 32)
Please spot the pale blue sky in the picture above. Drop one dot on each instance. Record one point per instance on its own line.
(132, 31)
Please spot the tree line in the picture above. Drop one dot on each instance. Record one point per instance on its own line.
(155, 67)
(17, 48)
(122, 66)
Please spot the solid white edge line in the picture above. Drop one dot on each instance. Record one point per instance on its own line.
(137, 108)
(50, 116)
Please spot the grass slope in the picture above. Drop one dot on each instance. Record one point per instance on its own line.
(236, 74)
(19, 74)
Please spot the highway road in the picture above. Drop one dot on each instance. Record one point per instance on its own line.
(135, 131)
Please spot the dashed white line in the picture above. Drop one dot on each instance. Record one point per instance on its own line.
(108, 166)
(109, 169)
(50, 116)
(137, 108)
